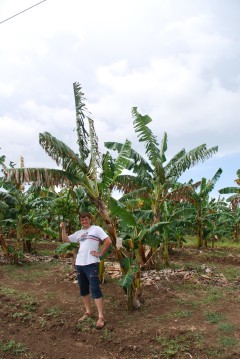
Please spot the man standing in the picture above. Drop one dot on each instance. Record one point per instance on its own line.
(87, 263)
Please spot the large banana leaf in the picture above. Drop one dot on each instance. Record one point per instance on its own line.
(118, 209)
(209, 186)
(3, 205)
(40, 176)
(95, 162)
(122, 160)
(229, 190)
(154, 228)
(163, 148)
(107, 172)
(138, 165)
(145, 135)
(130, 183)
(7, 198)
(190, 159)
(113, 168)
(82, 134)
(62, 154)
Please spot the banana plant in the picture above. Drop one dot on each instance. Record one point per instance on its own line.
(155, 177)
(88, 169)
(234, 199)
(203, 205)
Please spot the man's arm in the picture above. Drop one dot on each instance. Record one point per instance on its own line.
(106, 244)
(64, 233)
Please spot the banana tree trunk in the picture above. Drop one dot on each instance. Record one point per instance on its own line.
(18, 239)
(166, 249)
(134, 291)
(4, 246)
(236, 234)
(101, 270)
(199, 230)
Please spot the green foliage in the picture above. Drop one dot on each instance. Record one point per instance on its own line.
(214, 318)
(130, 270)
(13, 347)
(67, 247)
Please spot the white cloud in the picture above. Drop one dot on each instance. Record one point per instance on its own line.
(176, 61)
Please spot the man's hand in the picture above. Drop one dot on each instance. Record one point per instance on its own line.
(62, 225)
(94, 253)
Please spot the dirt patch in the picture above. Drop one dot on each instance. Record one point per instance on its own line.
(186, 312)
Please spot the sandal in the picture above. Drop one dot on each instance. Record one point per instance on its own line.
(100, 323)
(85, 317)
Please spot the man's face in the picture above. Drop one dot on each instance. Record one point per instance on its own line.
(85, 222)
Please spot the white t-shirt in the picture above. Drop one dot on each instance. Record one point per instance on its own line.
(89, 240)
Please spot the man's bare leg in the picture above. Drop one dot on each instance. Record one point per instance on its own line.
(99, 305)
(101, 321)
(87, 303)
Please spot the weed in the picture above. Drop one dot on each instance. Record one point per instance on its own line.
(42, 322)
(226, 327)
(214, 352)
(106, 334)
(213, 317)
(228, 341)
(214, 294)
(53, 312)
(85, 327)
(45, 252)
(181, 314)
(8, 291)
(196, 304)
(172, 346)
(232, 273)
(30, 306)
(50, 295)
(12, 346)
(18, 315)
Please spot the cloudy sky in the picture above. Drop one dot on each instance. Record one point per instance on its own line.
(175, 60)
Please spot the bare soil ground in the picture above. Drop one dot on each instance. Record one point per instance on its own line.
(190, 310)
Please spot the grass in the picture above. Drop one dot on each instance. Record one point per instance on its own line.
(50, 295)
(231, 273)
(53, 312)
(227, 327)
(214, 353)
(214, 318)
(172, 346)
(30, 305)
(42, 322)
(29, 302)
(8, 291)
(214, 294)
(106, 334)
(85, 326)
(45, 252)
(181, 314)
(191, 241)
(29, 271)
(228, 341)
(13, 347)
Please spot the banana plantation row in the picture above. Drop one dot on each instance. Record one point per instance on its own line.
(155, 210)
